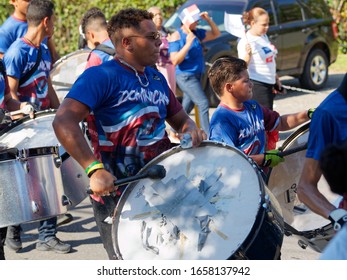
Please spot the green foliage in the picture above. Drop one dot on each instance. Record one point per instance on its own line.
(338, 10)
(69, 13)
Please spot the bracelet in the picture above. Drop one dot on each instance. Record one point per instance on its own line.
(92, 171)
(94, 168)
(91, 165)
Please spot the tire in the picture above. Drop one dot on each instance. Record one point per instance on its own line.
(315, 73)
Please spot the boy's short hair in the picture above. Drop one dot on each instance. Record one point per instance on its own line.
(38, 10)
(224, 70)
(93, 17)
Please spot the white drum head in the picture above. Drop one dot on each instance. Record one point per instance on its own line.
(66, 71)
(31, 133)
(204, 208)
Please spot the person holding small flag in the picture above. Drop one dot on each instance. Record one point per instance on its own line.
(187, 54)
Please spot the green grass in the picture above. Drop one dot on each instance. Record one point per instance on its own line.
(340, 65)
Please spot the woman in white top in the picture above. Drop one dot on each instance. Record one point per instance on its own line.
(260, 55)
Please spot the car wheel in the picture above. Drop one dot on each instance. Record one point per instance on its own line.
(315, 72)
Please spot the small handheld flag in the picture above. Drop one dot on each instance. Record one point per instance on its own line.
(190, 15)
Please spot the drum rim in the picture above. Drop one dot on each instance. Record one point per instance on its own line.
(294, 135)
(65, 57)
(9, 154)
(259, 219)
(26, 119)
(40, 151)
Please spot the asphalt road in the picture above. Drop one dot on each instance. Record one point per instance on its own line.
(82, 233)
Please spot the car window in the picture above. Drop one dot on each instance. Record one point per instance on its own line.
(314, 9)
(215, 10)
(289, 11)
(266, 5)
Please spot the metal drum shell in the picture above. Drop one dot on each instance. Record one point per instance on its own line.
(74, 179)
(31, 187)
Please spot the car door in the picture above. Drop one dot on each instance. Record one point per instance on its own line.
(291, 35)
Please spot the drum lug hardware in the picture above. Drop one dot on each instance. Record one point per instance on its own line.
(58, 162)
(65, 200)
(34, 207)
(267, 202)
(302, 244)
(26, 166)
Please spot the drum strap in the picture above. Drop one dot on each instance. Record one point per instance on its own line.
(343, 87)
(2, 68)
(32, 70)
(105, 49)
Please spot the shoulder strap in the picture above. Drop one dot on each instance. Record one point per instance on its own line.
(105, 49)
(2, 68)
(343, 87)
(32, 70)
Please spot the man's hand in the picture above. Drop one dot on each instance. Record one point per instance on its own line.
(272, 158)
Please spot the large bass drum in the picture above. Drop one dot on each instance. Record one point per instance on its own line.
(31, 133)
(66, 70)
(212, 204)
(313, 229)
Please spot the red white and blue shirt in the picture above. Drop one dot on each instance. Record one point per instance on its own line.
(243, 129)
(19, 59)
(128, 128)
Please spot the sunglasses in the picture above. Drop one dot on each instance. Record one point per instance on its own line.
(153, 36)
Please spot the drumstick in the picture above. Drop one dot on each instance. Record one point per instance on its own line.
(293, 151)
(154, 172)
(27, 109)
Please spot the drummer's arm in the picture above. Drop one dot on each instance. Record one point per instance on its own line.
(291, 121)
(10, 103)
(52, 95)
(66, 126)
(182, 123)
(67, 129)
(308, 192)
(13, 84)
(52, 49)
(259, 159)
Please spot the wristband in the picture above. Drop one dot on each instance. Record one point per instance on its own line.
(94, 163)
(93, 170)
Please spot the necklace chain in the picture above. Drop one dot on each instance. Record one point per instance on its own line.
(30, 41)
(136, 73)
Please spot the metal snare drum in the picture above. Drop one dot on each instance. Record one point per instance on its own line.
(32, 133)
(31, 185)
(212, 204)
